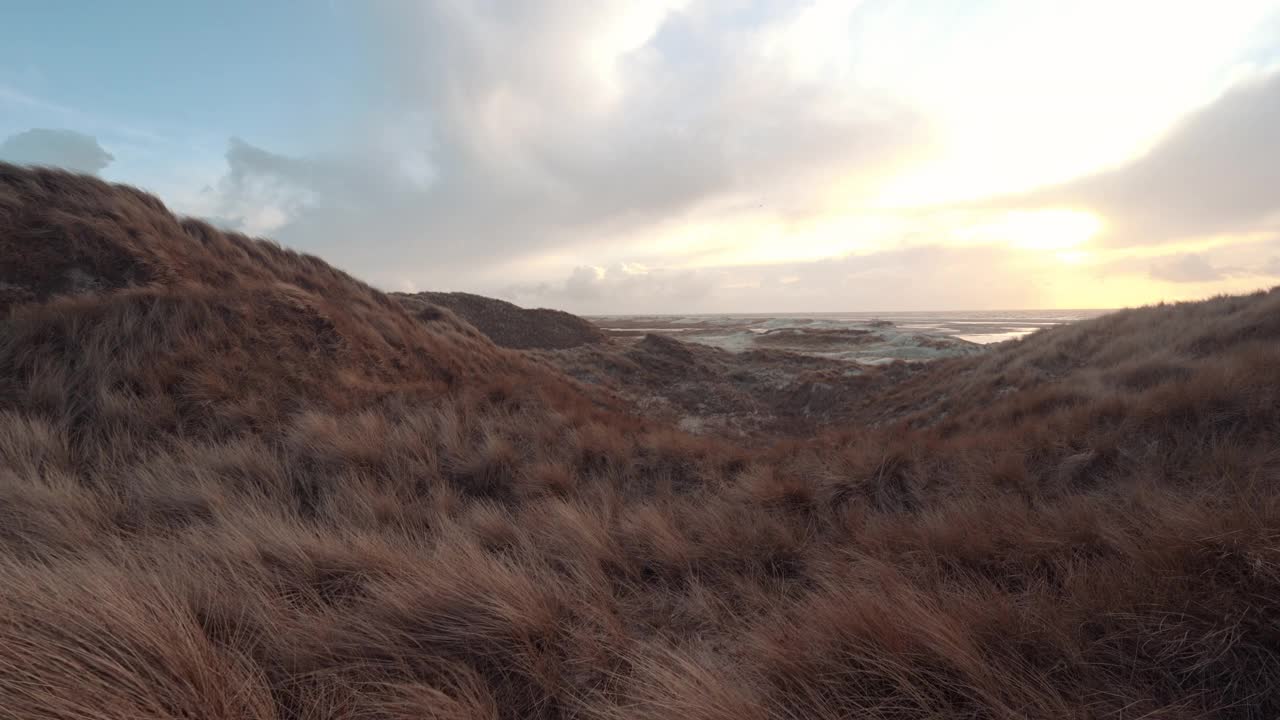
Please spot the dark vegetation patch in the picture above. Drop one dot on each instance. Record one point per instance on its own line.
(814, 338)
(509, 325)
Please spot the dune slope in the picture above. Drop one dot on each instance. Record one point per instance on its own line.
(512, 326)
(237, 483)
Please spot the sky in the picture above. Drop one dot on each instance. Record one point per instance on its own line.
(689, 156)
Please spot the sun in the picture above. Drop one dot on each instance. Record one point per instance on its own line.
(1072, 257)
(1050, 230)
(1054, 230)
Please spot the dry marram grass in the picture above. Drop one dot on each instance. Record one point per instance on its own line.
(237, 483)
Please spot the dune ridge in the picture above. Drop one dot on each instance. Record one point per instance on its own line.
(236, 482)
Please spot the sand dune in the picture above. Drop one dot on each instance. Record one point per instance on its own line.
(238, 483)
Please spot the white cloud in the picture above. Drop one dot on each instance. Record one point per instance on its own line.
(615, 154)
(518, 128)
(603, 290)
(1216, 172)
(919, 278)
(1035, 92)
(65, 149)
(1186, 268)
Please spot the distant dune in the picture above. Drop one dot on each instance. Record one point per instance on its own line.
(511, 326)
(236, 482)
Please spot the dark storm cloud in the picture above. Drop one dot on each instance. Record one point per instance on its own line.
(65, 149)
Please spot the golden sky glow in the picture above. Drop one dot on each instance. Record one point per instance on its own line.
(704, 155)
(998, 128)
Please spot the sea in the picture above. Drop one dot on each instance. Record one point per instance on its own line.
(866, 337)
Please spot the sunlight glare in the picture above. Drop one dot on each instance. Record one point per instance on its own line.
(1051, 229)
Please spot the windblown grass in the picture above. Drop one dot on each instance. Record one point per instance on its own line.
(236, 483)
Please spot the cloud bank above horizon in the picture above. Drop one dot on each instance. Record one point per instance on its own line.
(698, 155)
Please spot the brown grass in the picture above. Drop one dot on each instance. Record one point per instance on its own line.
(236, 483)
